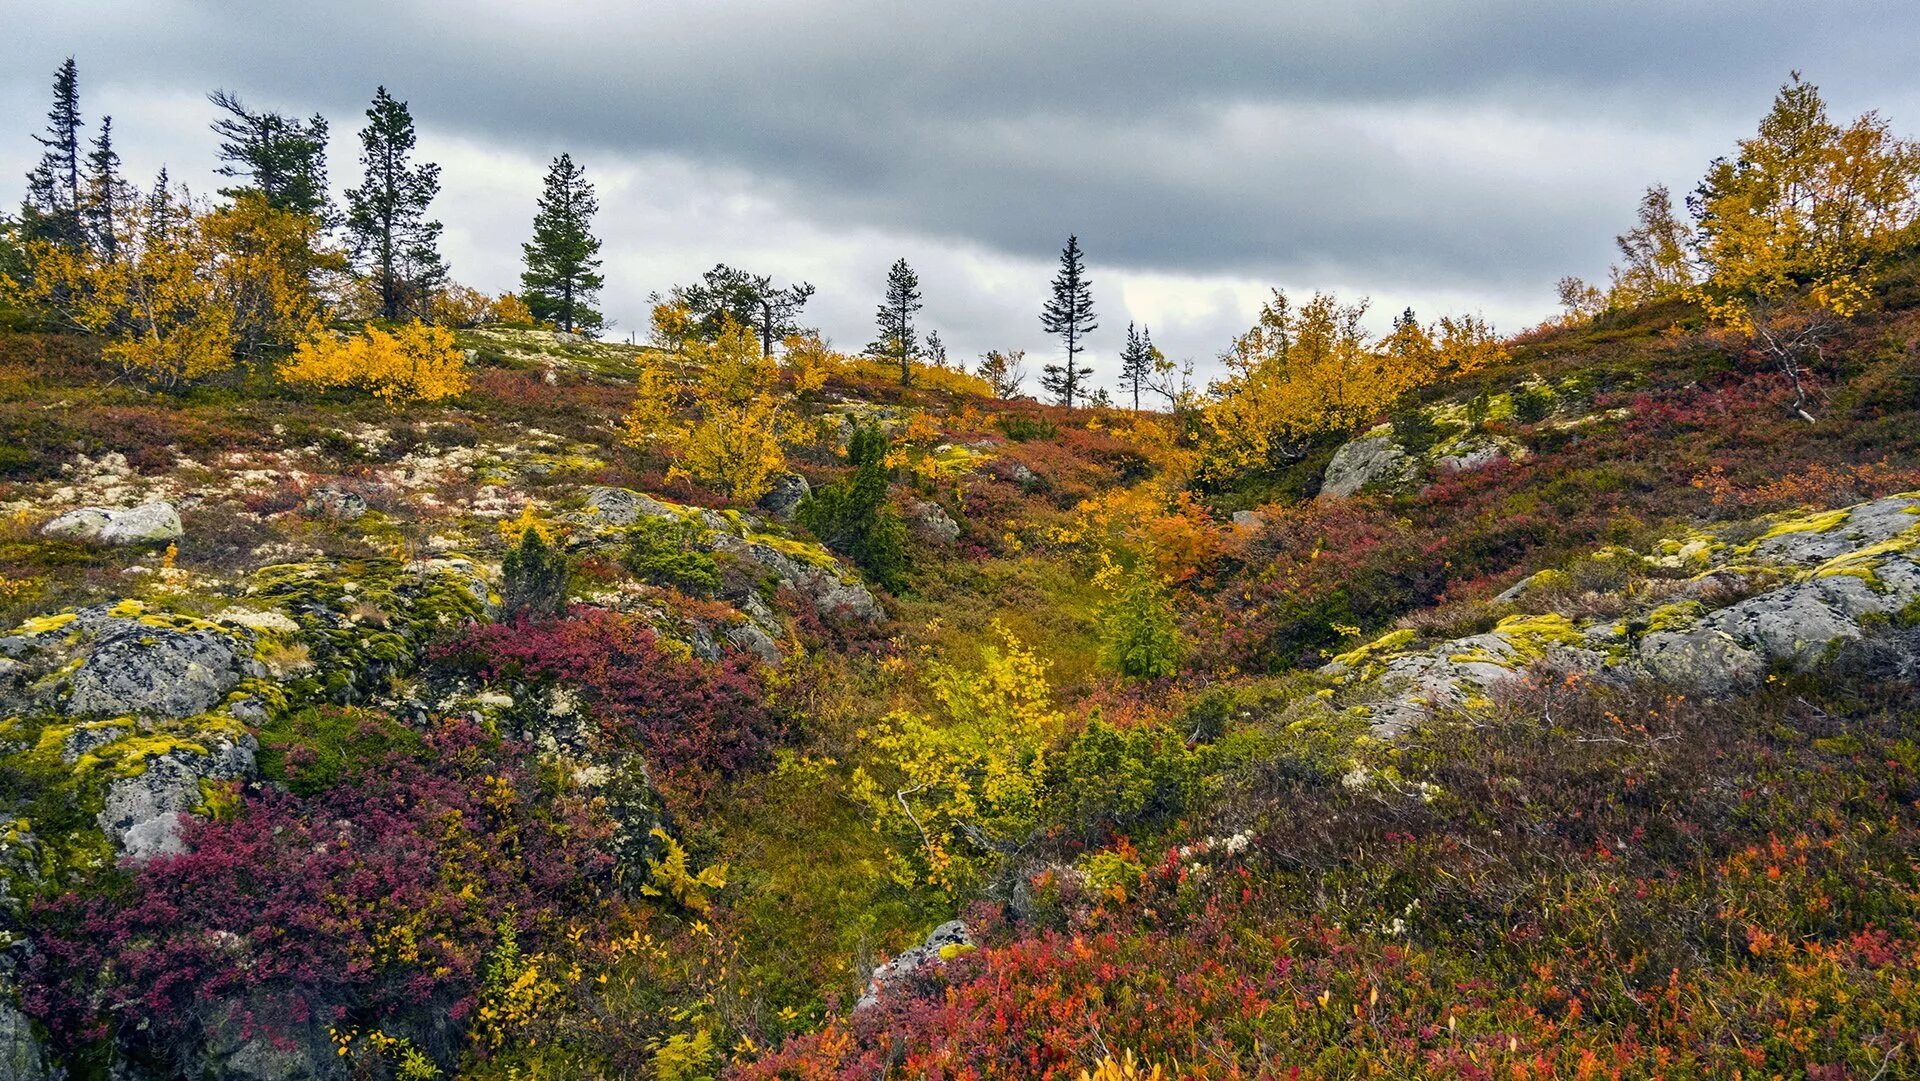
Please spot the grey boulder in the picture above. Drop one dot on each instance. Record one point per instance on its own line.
(784, 498)
(1368, 462)
(148, 523)
(144, 813)
(158, 673)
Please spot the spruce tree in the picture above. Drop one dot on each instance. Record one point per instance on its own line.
(563, 262)
(106, 196)
(895, 318)
(393, 240)
(1136, 362)
(1069, 313)
(936, 349)
(52, 211)
(283, 159)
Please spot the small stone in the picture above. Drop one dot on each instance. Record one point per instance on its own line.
(337, 504)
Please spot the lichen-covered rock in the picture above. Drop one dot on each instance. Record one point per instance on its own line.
(148, 523)
(1475, 451)
(1705, 658)
(831, 594)
(1372, 460)
(144, 812)
(624, 507)
(931, 521)
(155, 672)
(22, 1056)
(1835, 577)
(783, 499)
(947, 941)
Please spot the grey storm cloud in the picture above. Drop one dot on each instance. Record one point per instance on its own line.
(1433, 151)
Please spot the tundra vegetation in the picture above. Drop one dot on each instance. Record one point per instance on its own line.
(398, 683)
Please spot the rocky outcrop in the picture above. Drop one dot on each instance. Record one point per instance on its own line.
(123, 660)
(947, 941)
(810, 570)
(1370, 461)
(1816, 585)
(784, 498)
(145, 812)
(148, 523)
(147, 671)
(22, 1056)
(622, 507)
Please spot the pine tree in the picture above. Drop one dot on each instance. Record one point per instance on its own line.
(52, 209)
(1137, 363)
(106, 195)
(1069, 313)
(387, 214)
(748, 299)
(895, 318)
(562, 276)
(282, 158)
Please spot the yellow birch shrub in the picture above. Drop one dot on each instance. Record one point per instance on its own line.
(1309, 370)
(413, 363)
(156, 300)
(953, 784)
(722, 426)
(273, 269)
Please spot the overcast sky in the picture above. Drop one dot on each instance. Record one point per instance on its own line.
(1444, 155)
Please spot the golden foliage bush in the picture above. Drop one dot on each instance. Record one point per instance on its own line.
(724, 426)
(157, 300)
(1312, 369)
(414, 363)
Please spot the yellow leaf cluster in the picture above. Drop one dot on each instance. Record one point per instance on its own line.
(413, 363)
(1306, 370)
(672, 877)
(973, 771)
(157, 299)
(722, 428)
(810, 363)
(1124, 1068)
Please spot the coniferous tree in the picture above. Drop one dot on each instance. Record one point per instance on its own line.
(563, 262)
(282, 158)
(1137, 360)
(895, 319)
(936, 349)
(748, 299)
(393, 239)
(53, 205)
(852, 516)
(1069, 313)
(106, 196)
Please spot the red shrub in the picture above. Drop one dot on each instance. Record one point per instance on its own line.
(696, 722)
(372, 900)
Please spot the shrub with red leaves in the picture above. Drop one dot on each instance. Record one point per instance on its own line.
(696, 722)
(373, 902)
